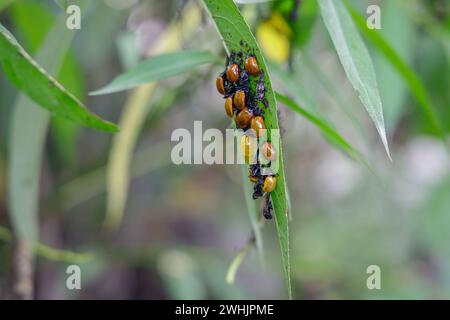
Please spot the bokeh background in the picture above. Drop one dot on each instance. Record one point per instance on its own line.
(183, 225)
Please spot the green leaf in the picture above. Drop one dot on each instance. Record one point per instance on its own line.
(134, 114)
(157, 68)
(64, 133)
(237, 37)
(27, 140)
(399, 32)
(5, 3)
(41, 87)
(414, 83)
(328, 131)
(356, 61)
(24, 15)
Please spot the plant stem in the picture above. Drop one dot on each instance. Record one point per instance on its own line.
(23, 266)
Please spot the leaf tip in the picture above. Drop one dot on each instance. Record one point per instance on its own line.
(385, 143)
(105, 90)
(98, 92)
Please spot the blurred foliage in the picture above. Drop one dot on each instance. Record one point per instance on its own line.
(184, 225)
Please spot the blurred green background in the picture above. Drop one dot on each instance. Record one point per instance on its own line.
(183, 225)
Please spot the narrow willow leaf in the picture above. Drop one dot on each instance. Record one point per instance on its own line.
(41, 87)
(157, 68)
(27, 140)
(235, 34)
(412, 80)
(399, 32)
(327, 130)
(133, 117)
(356, 61)
(64, 133)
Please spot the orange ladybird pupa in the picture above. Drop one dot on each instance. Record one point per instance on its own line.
(239, 99)
(233, 72)
(269, 184)
(251, 65)
(229, 107)
(244, 117)
(257, 124)
(220, 85)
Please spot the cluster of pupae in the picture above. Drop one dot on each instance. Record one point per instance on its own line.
(243, 105)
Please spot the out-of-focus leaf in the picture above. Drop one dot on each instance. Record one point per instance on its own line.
(133, 117)
(60, 255)
(327, 130)
(399, 32)
(236, 263)
(181, 276)
(51, 253)
(100, 26)
(62, 3)
(304, 24)
(24, 14)
(41, 87)
(291, 84)
(212, 271)
(356, 61)
(28, 131)
(5, 3)
(157, 68)
(128, 49)
(439, 29)
(64, 133)
(328, 86)
(235, 32)
(434, 220)
(442, 34)
(414, 83)
(2, 179)
(92, 184)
